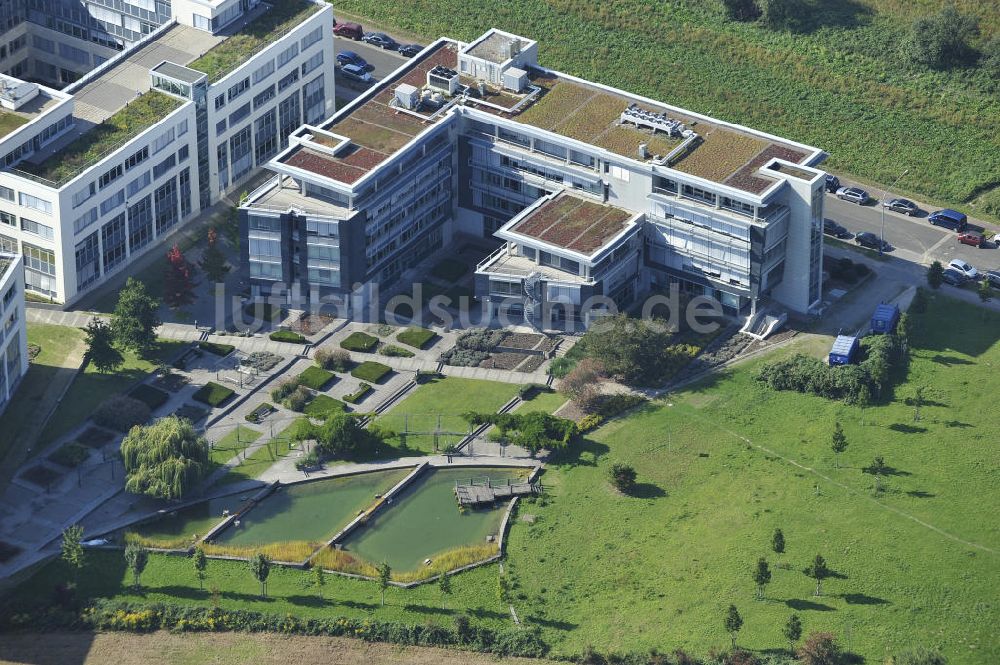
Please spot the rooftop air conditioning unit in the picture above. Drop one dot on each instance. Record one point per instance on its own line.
(407, 96)
(443, 79)
(515, 79)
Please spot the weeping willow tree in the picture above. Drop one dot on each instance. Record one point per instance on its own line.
(165, 459)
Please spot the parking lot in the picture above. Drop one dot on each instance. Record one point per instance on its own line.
(382, 62)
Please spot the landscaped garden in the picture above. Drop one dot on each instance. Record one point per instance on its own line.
(418, 338)
(371, 371)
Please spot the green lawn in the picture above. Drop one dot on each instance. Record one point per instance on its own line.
(445, 399)
(547, 402)
(228, 446)
(264, 457)
(9, 122)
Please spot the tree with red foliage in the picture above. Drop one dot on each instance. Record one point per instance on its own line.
(820, 649)
(213, 261)
(178, 289)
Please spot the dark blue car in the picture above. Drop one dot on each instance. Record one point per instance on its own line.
(351, 58)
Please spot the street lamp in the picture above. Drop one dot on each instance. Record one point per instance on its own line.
(885, 195)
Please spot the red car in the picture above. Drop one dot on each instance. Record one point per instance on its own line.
(973, 238)
(349, 30)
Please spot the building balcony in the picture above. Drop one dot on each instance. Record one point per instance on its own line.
(503, 263)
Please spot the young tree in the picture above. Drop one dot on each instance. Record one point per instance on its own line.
(761, 576)
(503, 590)
(384, 575)
(178, 289)
(877, 469)
(135, 320)
(819, 571)
(838, 442)
(100, 346)
(820, 649)
(917, 402)
(444, 585)
(136, 558)
(72, 549)
(213, 261)
(319, 580)
(985, 292)
(778, 541)
(792, 631)
(733, 623)
(935, 275)
(622, 476)
(200, 562)
(260, 566)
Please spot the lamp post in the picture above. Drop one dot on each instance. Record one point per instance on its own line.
(885, 195)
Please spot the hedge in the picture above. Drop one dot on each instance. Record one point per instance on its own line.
(418, 338)
(359, 341)
(121, 413)
(370, 371)
(213, 394)
(358, 394)
(287, 336)
(395, 351)
(315, 378)
(71, 455)
(216, 348)
(152, 397)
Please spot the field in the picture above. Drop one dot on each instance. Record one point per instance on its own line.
(839, 68)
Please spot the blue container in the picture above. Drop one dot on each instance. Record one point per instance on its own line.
(885, 318)
(844, 351)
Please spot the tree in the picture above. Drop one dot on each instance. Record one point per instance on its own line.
(629, 348)
(72, 549)
(778, 541)
(741, 10)
(136, 558)
(819, 571)
(838, 442)
(581, 384)
(877, 469)
(820, 649)
(792, 631)
(260, 566)
(733, 623)
(761, 576)
(166, 459)
(917, 402)
(384, 575)
(178, 289)
(942, 40)
(319, 580)
(622, 477)
(135, 320)
(503, 590)
(213, 261)
(935, 275)
(100, 346)
(343, 435)
(444, 585)
(200, 562)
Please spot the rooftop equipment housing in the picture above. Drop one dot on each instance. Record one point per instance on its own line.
(15, 93)
(443, 79)
(408, 96)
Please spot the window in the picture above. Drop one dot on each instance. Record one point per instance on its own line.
(220, 127)
(137, 185)
(84, 194)
(263, 71)
(264, 97)
(164, 166)
(165, 200)
(312, 63)
(290, 117)
(8, 219)
(38, 229)
(288, 79)
(35, 203)
(140, 224)
(136, 159)
(286, 56)
(222, 156)
(6, 193)
(111, 176)
(42, 260)
(618, 172)
(113, 202)
(314, 100)
(184, 180)
(85, 220)
(74, 54)
(113, 239)
(238, 89)
(240, 153)
(202, 22)
(43, 44)
(163, 140)
(182, 154)
(311, 38)
(239, 114)
(182, 128)
(220, 102)
(266, 136)
(88, 261)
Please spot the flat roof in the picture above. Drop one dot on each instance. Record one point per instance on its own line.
(12, 120)
(494, 46)
(287, 197)
(177, 72)
(573, 223)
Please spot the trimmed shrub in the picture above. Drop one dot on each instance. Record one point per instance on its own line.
(287, 336)
(370, 371)
(359, 341)
(622, 476)
(418, 338)
(423, 376)
(358, 394)
(213, 394)
(121, 413)
(335, 360)
(613, 405)
(590, 422)
(216, 348)
(395, 351)
(71, 455)
(152, 397)
(315, 378)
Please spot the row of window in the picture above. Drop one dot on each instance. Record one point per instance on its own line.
(38, 141)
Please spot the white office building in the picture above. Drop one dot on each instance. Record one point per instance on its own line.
(13, 334)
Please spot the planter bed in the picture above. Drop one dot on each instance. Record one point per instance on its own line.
(418, 338)
(95, 437)
(287, 336)
(171, 382)
(41, 476)
(359, 341)
(371, 371)
(395, 351)
(531, 364)
(71, 455)
(503, 360)
(213, 394)
(262, 361)
(358, 394)
(310, 324)
(215, 348)
(261, 412)
(323, 405)
(315, 378)
(152, 397)
(521, 340)
(191, 412)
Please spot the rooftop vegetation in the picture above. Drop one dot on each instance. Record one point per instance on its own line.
(9, 122)
(136, 117)
(253, 37)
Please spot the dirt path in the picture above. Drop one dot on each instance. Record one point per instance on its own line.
(223, 649)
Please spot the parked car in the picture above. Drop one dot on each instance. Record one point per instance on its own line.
(832, 228)
(953, 277)
(853, 194)
(974, 238)
(349, 30)
(356, 73)
(905, 206)
(410, 50)
(964, 268)
(832, 183)
(993, 277)
(950, 219)
(351, 58)
(381, 40)
(871, 241)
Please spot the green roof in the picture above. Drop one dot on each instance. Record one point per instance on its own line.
(9, 122)
(139, 115)
(258, 34)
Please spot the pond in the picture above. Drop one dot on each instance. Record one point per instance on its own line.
(181, 528)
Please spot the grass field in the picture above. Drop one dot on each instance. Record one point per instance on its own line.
(233, 443)
(835, 80)
(444, 400)
(264, 457)
(547, 402)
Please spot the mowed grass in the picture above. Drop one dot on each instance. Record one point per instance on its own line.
(233, 443)
(442, 401)
(542, 401)
(660, 568)
(261, 459)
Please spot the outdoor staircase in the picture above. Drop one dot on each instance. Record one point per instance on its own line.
(763, 323)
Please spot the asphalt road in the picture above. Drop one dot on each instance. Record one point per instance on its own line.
(381, 61)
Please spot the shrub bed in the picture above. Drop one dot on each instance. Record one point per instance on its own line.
(41, 476)
(152, 397)
(370, 371)
(395, 351)
(213, 394)
(358, 394)
(472, 347)
(262, 361)
(323, 405)
(71, 455)
(315, 378)
(418, 338)
(95, 437)
(216, 348)
(287, 336)
(335, 360)
(121, 413)
(283, 389)
(297, 399)
(359, 341)
(191, 412)
(259, 413)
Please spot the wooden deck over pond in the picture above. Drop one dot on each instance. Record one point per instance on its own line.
(475, 494)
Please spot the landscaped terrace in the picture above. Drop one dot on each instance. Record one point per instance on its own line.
(254, 36)
(573, 223)
(135, 118)
(9, 122)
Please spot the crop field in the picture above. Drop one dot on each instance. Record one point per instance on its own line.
(836, 81)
